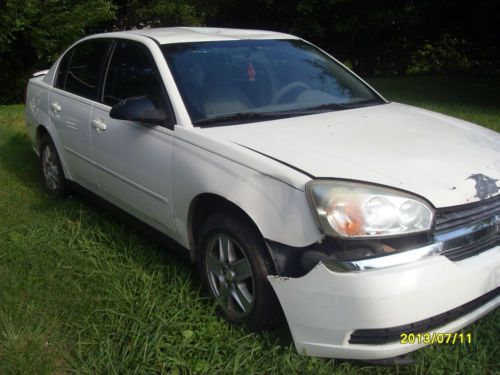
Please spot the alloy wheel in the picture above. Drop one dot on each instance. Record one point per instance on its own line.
(230, 275)
(50, 167)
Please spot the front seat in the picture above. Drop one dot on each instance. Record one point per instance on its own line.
(223, 99)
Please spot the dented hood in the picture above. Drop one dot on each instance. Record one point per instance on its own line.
(445, 160)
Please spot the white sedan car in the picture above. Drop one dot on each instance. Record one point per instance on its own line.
(291, 182)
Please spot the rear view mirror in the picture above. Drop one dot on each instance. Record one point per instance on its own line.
(139, 109)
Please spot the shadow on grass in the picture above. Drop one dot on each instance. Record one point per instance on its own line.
(19, 160)
(171, 253)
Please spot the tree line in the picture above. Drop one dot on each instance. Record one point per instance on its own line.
(384, 37)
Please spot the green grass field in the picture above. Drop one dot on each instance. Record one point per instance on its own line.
(82, 292)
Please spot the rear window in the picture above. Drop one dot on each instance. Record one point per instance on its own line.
(63, 69)
(80, 68)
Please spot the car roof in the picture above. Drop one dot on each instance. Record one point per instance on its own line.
(166, 35)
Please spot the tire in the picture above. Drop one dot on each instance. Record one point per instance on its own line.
(234, 264)
(51, 169)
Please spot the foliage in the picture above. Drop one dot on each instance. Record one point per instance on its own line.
(386, 37)
(155, 13)
(50, 26)
(34, 32)
(441, 56)
(379, 37)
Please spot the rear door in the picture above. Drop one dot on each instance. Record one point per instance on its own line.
(133, 160)
(70, 106)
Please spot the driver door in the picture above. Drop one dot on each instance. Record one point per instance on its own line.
(133, 160)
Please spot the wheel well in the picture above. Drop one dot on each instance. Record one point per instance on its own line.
(40, 132)
(202, 207)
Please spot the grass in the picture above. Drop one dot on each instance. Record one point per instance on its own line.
(472, 98)
(82, 292)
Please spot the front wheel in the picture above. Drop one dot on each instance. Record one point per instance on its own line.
(234, 265)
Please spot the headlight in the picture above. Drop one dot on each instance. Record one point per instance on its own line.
(350, 209)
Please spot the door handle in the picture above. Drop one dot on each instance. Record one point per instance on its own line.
(55, 107)
(99, 125)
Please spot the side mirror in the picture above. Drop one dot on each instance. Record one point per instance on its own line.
(139, 109)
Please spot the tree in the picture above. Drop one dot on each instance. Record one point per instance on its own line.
(135, 14)
(34, 32)
(375, 38)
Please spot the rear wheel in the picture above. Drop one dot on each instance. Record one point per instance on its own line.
(50, 168)
(234, 265)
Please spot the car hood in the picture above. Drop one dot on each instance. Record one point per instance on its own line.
(445, 160)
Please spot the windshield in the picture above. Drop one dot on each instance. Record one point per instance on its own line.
(238, 80)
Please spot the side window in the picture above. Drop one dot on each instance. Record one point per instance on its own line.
(131, 73)
(62, 69)
(84, 68)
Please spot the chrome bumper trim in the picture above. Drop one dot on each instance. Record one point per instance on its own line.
(384, 261)
(445, 243)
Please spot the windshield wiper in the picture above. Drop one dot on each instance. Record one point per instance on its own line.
(242, 117)
(319, 108)
(341, 106)
(263, 116)
(239, 117)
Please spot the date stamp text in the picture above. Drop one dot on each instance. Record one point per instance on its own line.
(436, 338)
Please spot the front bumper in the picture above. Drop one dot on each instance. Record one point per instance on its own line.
(323, 308)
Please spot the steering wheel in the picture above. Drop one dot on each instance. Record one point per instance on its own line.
(285, 89)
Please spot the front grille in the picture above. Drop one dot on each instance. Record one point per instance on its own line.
(450, 218)
(473, 228)
(474, 248)
(393, 334)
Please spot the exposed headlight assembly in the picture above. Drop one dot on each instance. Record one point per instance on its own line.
(358, 210)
